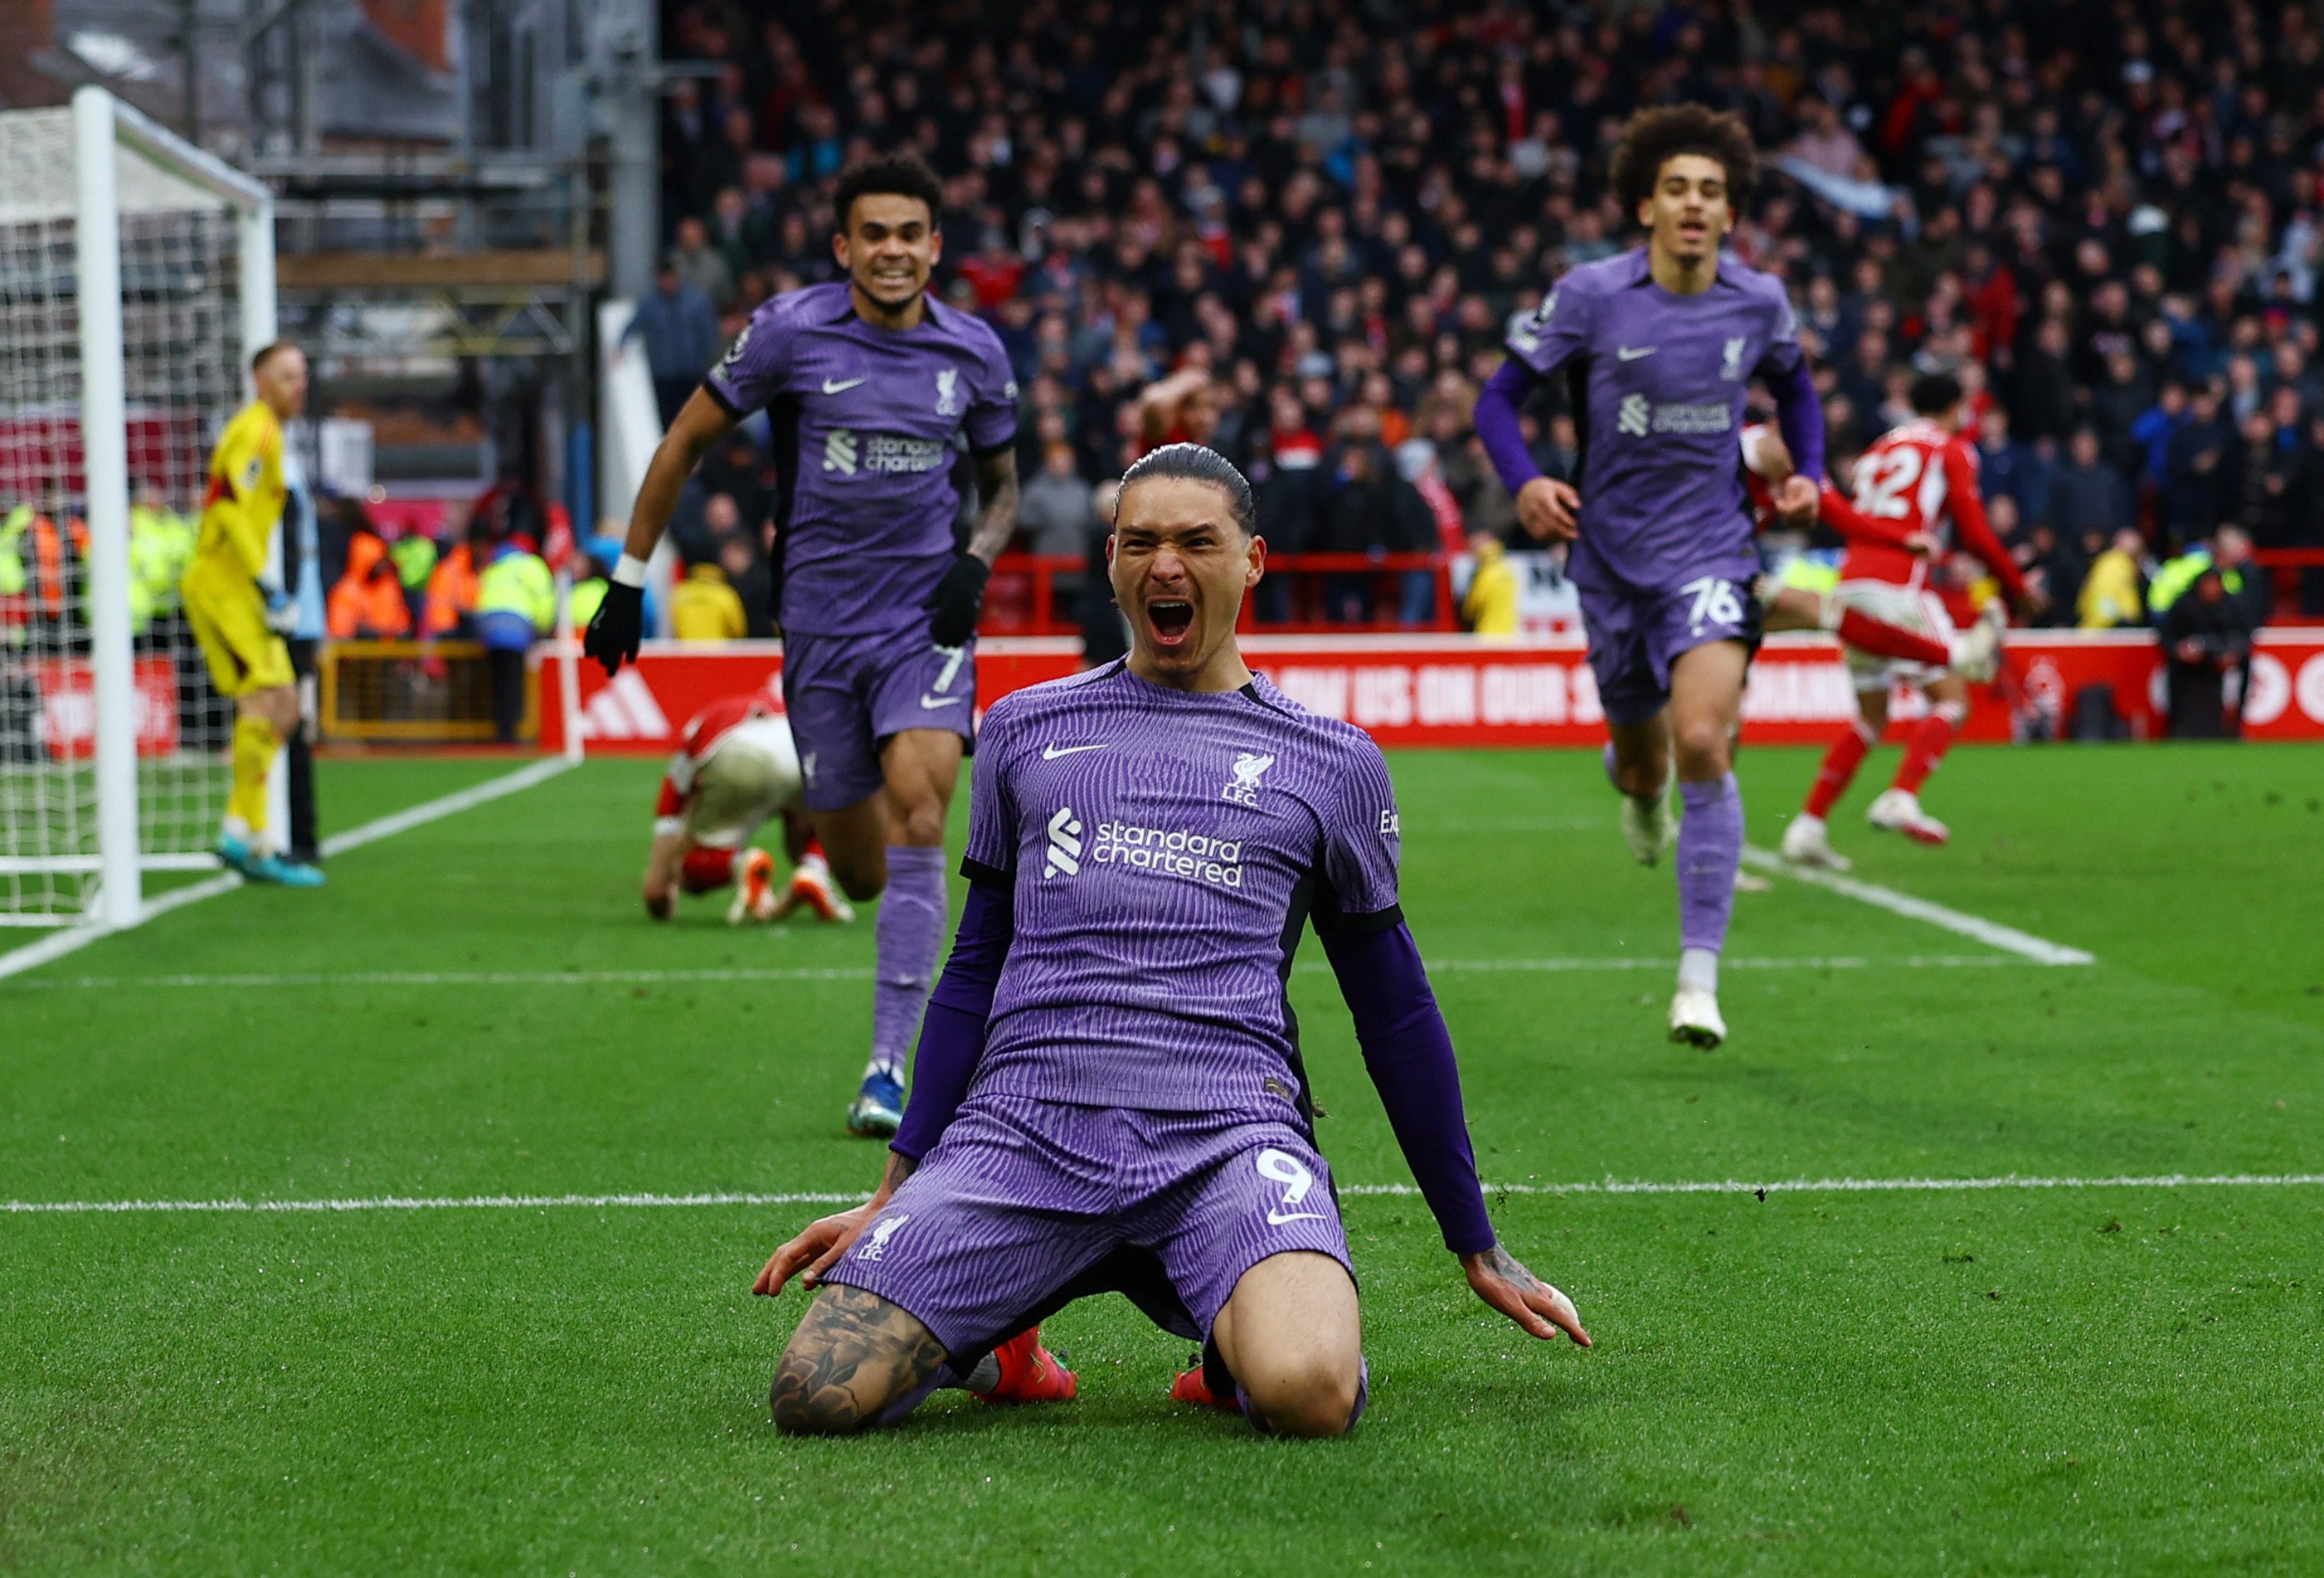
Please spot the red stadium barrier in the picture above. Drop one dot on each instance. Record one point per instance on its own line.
(1461, 691)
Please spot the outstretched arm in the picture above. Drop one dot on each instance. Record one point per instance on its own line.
(1798, 415)
(619, 623)
(1409, 1053)
(952, 1041)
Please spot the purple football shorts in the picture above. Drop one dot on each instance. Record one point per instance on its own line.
(845, 694)
(1021, 1196)
(1636, 634)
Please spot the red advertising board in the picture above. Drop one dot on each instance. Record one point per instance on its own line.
(68, 689)
(1461, 691)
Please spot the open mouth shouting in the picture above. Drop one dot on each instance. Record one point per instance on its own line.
(1169, 621)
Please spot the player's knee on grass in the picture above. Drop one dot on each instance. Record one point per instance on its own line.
(1312, 1395)
(1292, 1335)
(853, 1356)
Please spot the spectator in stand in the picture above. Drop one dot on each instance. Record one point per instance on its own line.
(1058, 511)
(2111, 593)
(702, 265)
(1323, 195)
(704, 605)
(2258, 477)
(2089, 495)
(2193, 470)
(681, 328)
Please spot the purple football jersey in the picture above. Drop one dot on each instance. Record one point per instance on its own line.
(1659, 386)
(1164, 849)
(863, 422)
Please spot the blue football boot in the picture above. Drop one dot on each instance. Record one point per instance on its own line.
(878, 1106)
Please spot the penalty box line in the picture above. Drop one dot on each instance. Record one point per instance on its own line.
(1610, 1187)
(74, 939)
(1992, 933)
(865, 973)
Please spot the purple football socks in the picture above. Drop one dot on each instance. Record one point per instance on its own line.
(910, 937)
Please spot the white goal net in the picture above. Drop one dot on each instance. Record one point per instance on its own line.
(136, 274)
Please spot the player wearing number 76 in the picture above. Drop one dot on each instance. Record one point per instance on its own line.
(1660, 346)
(1110, 1096)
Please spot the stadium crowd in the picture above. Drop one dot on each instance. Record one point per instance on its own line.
(1295, 229)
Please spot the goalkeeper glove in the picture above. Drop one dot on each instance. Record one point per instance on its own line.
(619, 623)
(957, 600)
(281, 613)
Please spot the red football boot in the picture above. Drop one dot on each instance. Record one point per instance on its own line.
(754, 888)
(1029, 1373)
(1195, 1388)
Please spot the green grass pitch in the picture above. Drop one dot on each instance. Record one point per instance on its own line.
(2086, 1379)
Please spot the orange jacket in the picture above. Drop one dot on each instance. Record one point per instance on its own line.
(368, 600)
(451, 593)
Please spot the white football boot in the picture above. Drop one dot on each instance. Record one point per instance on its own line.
(1648, 826)
(1804, 845)
(1899, 811)
(1976, 651)
(1694, 1019)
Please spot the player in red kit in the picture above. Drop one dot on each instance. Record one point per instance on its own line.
(736, 769)
(1921, 477)
(1787, 606)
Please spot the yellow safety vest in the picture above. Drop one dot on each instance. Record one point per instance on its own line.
(519, 584)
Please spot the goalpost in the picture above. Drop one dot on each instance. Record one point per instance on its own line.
(137, 279)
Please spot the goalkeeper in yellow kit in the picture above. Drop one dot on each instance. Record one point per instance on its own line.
(237, 614)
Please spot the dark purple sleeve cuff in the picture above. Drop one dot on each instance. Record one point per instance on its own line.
(1409, 1053)
(1799, 416)
(1498, 404)
(952, 1035)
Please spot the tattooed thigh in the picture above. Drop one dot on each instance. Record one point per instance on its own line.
(853, 1356)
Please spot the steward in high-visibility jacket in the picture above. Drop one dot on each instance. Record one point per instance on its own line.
(516, 597)
(160, 549)
(2172, 581)
(15, 607)
(367, 603)
(587, 595)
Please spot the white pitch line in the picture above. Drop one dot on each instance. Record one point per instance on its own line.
(849, 1197)
(2040, 950)
(72, 939)
(863, 973)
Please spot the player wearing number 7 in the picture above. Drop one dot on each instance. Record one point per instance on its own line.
(1110, 1096)
(868, 386)
(1659, 346)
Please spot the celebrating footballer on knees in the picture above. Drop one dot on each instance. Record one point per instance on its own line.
(1660, 346)
(239, 612)
(1111, 1095)
(867, 383)
(734, 770)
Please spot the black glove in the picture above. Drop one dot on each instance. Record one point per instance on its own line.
(616, 627)
(957, 600)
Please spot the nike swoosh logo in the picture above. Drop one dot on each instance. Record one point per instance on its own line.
(831, 388)
(1624, 354)
(1277, 1218)
(934, 702)
(1051, 753)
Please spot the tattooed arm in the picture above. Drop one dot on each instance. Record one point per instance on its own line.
(997, 496)
(811, 1254)
(1542, 1310)
(853, 1356)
